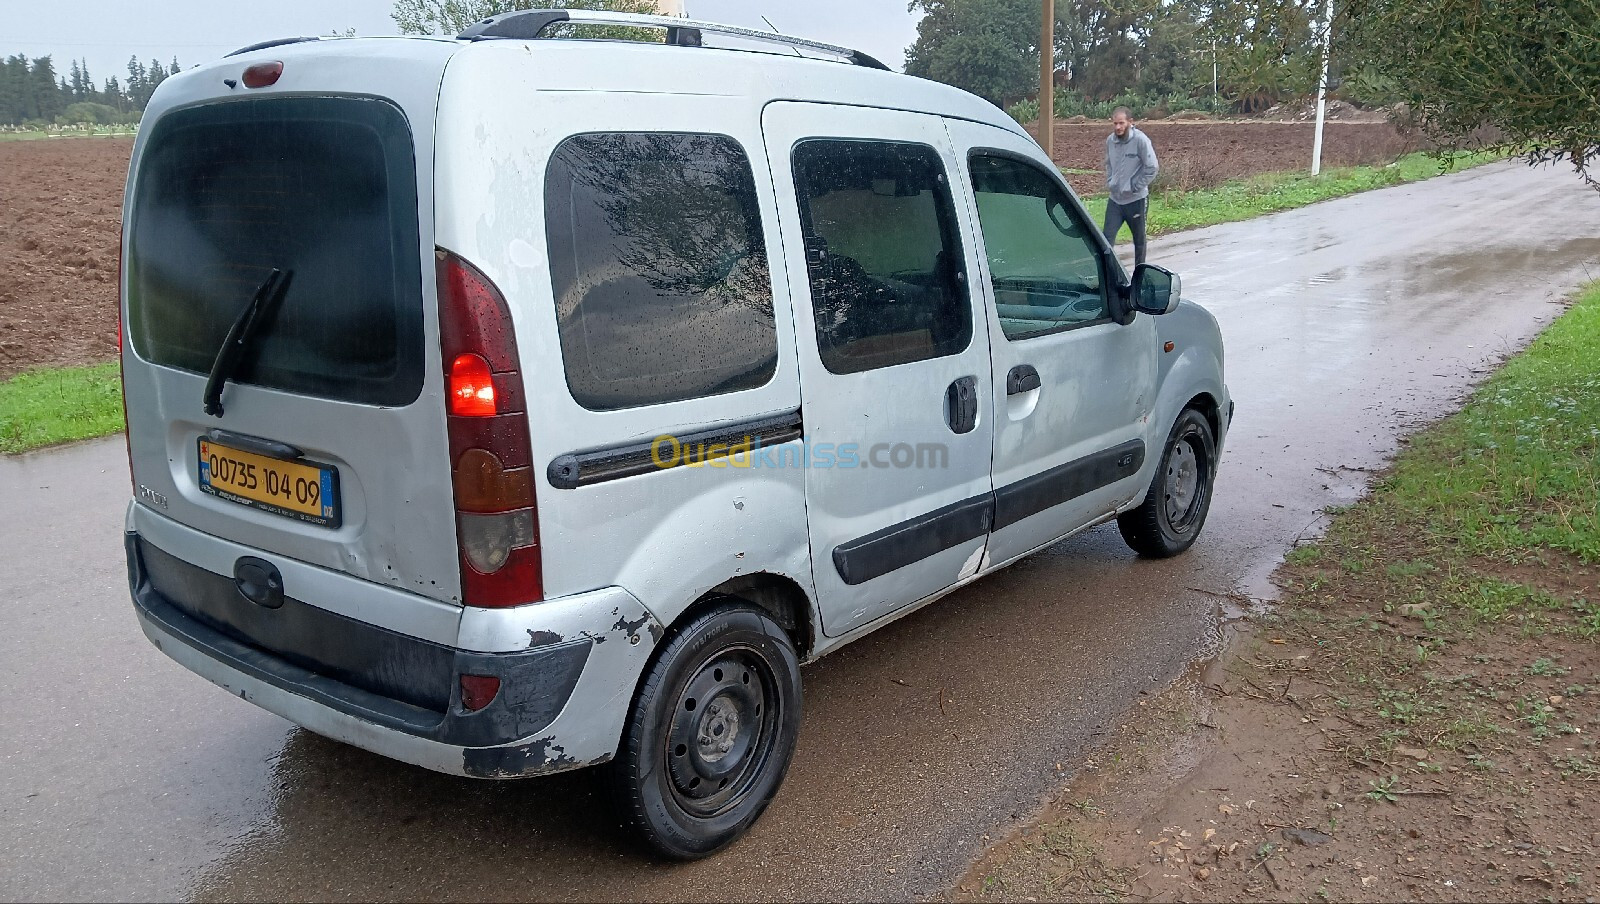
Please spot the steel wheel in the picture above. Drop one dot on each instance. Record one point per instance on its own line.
(1182, 491)
(1175, 506)
(711, 731)
(721, 733)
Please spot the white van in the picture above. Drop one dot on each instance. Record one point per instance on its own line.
(514, 403)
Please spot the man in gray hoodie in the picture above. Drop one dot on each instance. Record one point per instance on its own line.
(1130, 168)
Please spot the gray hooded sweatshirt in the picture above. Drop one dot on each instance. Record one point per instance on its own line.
(1130, 166)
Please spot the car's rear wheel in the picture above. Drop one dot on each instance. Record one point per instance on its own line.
(711, 732)
(1175, 507)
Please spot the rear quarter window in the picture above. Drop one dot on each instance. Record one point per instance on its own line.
(659, 267)
(322, 187)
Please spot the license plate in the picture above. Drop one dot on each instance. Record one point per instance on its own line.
(303, 490)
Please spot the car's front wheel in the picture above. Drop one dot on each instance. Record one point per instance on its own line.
(711, 732)
(1175, 507)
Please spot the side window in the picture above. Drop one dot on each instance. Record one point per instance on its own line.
(659, 268)
(882, 253)
(1046, 268)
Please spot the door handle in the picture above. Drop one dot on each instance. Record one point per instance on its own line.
(961, 405)
(1022, 378)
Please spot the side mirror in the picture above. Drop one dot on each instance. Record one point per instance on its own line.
(1156, 290)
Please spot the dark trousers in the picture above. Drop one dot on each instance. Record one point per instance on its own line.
(1133, 215)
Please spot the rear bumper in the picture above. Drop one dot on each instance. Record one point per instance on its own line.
(560, 706)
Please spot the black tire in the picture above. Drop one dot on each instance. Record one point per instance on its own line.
(711, 732)
(1175, 507)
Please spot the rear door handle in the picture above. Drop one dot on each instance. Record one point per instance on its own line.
(961, 405)
(1023, 378)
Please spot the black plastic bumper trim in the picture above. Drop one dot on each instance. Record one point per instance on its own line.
(534, 685)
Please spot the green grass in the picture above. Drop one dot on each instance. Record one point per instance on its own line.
(1519, 468)
(1273, 192)
(46, 407)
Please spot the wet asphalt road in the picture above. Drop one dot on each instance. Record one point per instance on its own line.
(123, 776)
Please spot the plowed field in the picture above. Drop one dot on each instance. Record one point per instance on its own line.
(61, 210)
(1202, 154)
(60, 215)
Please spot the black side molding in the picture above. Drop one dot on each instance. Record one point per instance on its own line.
(899, 545)
(1032, 495)
(581, 469)
(913, 540)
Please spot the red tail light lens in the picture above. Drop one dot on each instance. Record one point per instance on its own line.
(471, 387)
(263, 74)
(478, 691)
(491, 462)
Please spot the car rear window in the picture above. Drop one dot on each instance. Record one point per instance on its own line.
(320, 187)
(659, 267)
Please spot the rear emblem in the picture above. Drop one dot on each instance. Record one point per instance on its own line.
(152, 497)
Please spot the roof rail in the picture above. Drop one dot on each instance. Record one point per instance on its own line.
(529, 24)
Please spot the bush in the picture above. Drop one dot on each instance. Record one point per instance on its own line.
(1070, 103)
(88, 112)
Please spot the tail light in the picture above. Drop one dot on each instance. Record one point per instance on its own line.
(491, 458)
(478, 691)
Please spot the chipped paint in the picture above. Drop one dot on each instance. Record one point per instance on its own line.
(631, 627)
(543, 638)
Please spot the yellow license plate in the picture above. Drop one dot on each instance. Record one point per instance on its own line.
(305, 491)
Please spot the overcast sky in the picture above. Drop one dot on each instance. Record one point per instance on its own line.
(107, 32)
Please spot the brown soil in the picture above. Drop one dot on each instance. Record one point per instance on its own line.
(1202, 154)
(61, 209)
(1344, 751)
(60, 220)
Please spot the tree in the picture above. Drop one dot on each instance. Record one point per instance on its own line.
(13, 89)
(47, 99)
(1518, 75)
(112, 95)
(451, 17)
(987, 47)
(76, 82)
(1267, 50)
(136, 78)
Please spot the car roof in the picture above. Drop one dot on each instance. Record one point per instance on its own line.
(759, 76)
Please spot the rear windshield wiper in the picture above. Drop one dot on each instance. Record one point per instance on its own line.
(267, 298)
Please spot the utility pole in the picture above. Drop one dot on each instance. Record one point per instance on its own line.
(1213, 68)
(1322, 90)
(1047, 80)
(1213, 52)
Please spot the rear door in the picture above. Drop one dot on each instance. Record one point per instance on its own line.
(894, 361)
(1073, 389)
(328, 443)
